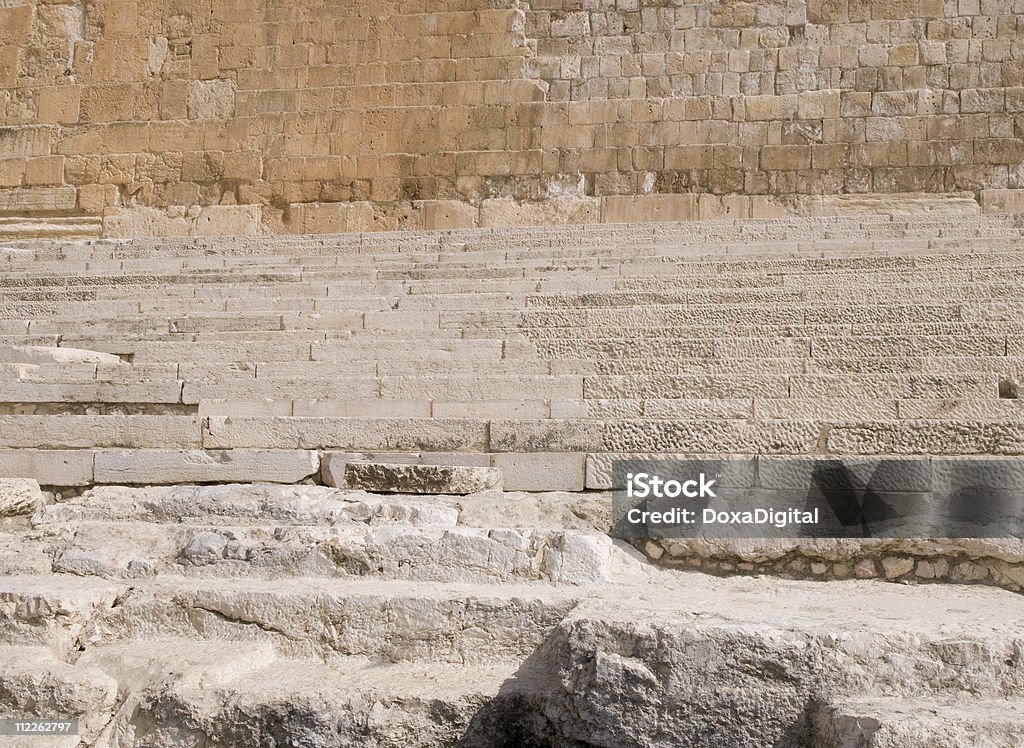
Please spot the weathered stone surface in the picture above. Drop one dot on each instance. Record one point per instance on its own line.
(244, 504)
(35, 684)
(914, 722)
(249, 613)
(48, 467)
(757, 668)
(605, 118)
(19, 496)
(420, 478)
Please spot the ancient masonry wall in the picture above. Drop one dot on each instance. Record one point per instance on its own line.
(311, 115)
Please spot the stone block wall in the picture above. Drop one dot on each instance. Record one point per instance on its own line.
(440, 113)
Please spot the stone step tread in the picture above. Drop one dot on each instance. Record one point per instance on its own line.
(310, 617)
(248, 504)
(891, 251)
(379, 272)
(835, 612)
(919, 722)
(175, 431)
(229, 692)
(128, 550)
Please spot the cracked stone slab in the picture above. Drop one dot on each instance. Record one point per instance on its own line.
(758, 653)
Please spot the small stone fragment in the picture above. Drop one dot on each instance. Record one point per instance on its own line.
(865, 569)
(653, 550)
(19, 496)
(896, 566)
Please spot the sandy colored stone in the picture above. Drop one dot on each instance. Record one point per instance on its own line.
(19, 496)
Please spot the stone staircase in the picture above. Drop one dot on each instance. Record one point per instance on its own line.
(548, 350)
(201, 571)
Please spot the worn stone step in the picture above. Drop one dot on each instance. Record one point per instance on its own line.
(322, 618)
(230, 693)
(784, 645)
(244, 504)
(34, 683)
(127, 550)
(55, 611)
(909, 721)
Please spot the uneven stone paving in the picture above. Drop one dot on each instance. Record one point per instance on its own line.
(484, 603)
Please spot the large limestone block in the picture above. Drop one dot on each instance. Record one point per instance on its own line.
(1002, 201)
(554, 211)
(227, 220)
(48, 467)
(215, 220)
(78, 431)
(754, 654)
(873, 204)
(425, 479)
(38, 199)
(542, 471)
(154, 466)
(40, 354)
(658, 207)
(19, 496)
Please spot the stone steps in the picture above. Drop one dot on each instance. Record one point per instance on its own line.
(235, 694)
(320, 618)
(789, 337)
(267, 604)
(237, 660)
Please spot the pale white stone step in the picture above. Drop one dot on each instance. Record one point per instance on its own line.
(52, 610)
(392, 434)
(127, 550)
(161, 466)
(321, 618)
(226, 694)
(782, 645)
(910, 721)
(244, 504)
(77, 431)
